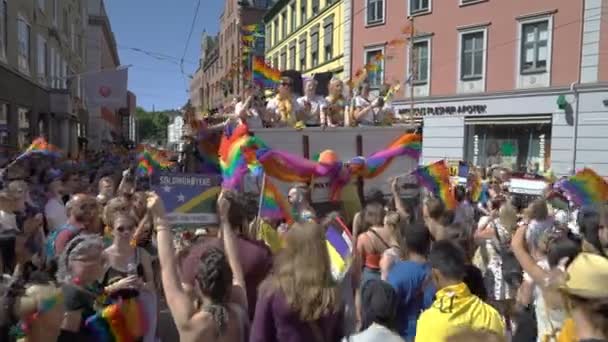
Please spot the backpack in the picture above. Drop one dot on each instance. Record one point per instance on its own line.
(50, 250)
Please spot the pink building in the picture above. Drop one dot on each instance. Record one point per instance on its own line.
(218, 78)
(523, 84)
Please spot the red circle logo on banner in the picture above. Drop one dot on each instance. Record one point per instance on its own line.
(105, 91)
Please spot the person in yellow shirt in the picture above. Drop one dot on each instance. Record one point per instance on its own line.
(455, 307)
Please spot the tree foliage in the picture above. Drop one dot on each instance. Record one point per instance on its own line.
(152, 125)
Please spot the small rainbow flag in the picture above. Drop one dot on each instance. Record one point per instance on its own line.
(408, 144)
(586, 187)
(234, 154)
(436, 179)
(150, 161)
(340, 248)
(40, 146)
(274, 206)
(264, 75)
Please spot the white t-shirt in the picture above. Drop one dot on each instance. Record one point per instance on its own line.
(8, 222)
(272, 107)
(253, 116)
(368, 118)
(317, 104)
(56, 214)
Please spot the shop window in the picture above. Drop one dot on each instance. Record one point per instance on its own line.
(375, 78)
(375, 12)
(3, 124)
(518, 145)
(23, 136)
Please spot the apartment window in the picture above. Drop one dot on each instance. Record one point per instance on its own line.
(293, 16)
(375, 78)
(41, 4)
(42, 60)
(275, 62)
(472, 55)
(303, 12)
(52, 74)
(292, 56)
(419, 6)
(315, 7)
(64, 74)
(284, 60)
(375, 12)
(314, 48)
(268, 36)
(23, 36)
(66, 24)
(23, 121)
(55, 12)
(73, 32)
(3, 25)
(3, 124)
(328, 39)
(284, 25)
(534, 47)
(302, 54)
(276, 32)
(421, 62)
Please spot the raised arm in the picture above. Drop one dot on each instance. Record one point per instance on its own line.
(518, 246)
(231, 250)
(401, 209)
(180, 304)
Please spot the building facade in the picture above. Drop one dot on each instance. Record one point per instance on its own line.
(105, 123)
(42, 49)
(520, 84)
(219, 76)
(306, 35)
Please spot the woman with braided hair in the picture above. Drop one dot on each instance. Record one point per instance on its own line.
(220, 311)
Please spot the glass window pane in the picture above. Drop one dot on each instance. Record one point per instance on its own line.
(542, 53)
(466, 64)
(379, 10)
(423, 74)
(543, 32)
(529, 55)
(479, 41)
(467, 43)
(478, 66)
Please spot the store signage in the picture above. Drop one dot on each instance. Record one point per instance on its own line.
(446, 110)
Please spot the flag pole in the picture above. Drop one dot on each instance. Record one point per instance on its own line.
(261, 201)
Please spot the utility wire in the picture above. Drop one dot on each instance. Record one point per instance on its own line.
(181, 62)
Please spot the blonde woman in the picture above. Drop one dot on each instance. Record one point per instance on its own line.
(336, 104)
(284, 108)
(300, 300)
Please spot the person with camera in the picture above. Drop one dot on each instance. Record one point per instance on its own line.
(314, 105)
(250, 110)
(366, 110)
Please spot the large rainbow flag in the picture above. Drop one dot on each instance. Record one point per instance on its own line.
(436, 179)
(42, 147)
(264, 75)
(586, 187)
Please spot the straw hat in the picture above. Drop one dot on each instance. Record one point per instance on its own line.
(587, 277)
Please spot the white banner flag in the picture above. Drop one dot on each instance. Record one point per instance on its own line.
(107, 88)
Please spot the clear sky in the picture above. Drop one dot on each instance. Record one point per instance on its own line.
(160, 28)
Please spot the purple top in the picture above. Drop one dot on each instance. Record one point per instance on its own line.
(274, 321)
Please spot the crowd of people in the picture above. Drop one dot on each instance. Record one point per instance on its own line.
(87, 254)
(337, 109)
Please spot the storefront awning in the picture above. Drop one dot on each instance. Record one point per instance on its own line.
(508, 120)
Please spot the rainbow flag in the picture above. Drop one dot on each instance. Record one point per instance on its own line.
(124, 321)
(340, 248)
(274, 206)
(42, 147)
(237, 155)
(151, 161)
(264, 75)
(586, 187)
(407, 144)
(436, 179)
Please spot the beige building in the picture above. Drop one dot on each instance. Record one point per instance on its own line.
(42, 44)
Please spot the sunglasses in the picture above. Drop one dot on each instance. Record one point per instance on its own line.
(122, 229)
(286, 84)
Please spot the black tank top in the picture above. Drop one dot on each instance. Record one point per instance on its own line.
(113, 275)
